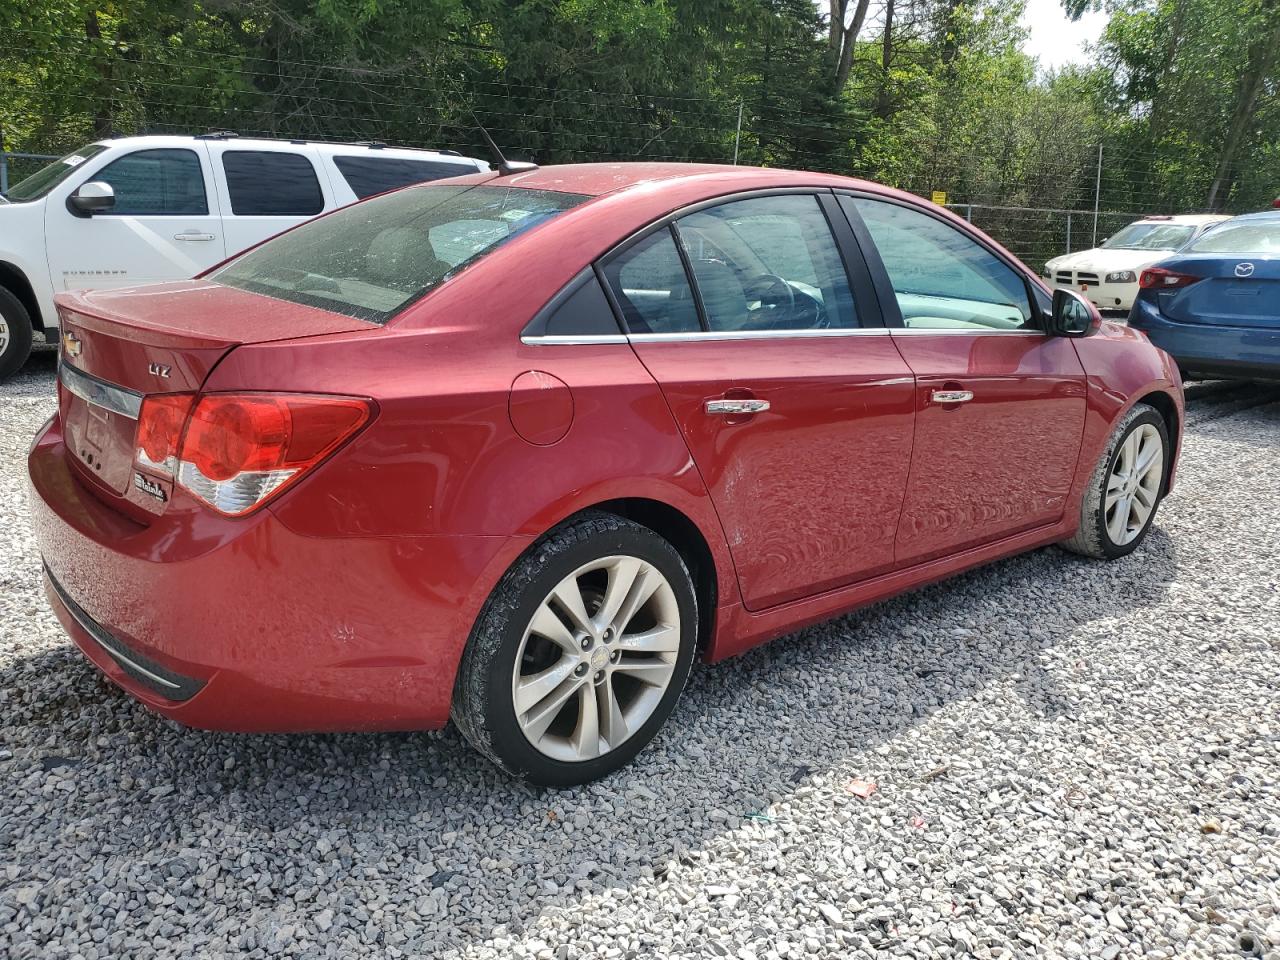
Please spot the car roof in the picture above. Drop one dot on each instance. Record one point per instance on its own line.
(599, 179)
(1259, 215)
(373, 148)
(1186, 218)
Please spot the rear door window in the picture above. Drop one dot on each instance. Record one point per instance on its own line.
(768, 263)
(651, 287)
(271, 184)
(156, 183)
(367, 176)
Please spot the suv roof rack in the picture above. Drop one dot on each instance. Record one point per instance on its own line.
(217, 135)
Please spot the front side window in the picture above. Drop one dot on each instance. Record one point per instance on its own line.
(1244, 237)
(1150, 236)
(263, 183)
(942, 278)
(156, 183)
(767, 263)
(373, 259)
(367, 176)
(651, 287)
(46, 178)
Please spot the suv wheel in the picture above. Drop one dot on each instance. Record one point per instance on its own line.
(15, 334)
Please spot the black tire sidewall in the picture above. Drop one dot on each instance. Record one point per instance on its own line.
(1109, 547)
(506, 739)
(20, 333)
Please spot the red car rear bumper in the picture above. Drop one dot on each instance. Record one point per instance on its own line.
(245, 625)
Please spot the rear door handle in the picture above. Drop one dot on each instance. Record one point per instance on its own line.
(951, 396)
(738, 407)
(193, 235)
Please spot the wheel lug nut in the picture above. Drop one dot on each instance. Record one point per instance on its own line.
(599, 676)
(608, 635)
(613, 657)
(580, 669)
(586, 643)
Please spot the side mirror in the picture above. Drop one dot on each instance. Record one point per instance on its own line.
(92, 197)
(1073, 315)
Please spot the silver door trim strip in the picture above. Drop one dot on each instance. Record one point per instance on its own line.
(100, 393)
(700, 336)
(571, 340)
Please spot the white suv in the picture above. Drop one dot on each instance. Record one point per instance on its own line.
(1108, 275)
(145, 209)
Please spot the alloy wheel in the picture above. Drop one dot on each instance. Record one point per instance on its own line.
(596, 658)
(1133, 486)
(4, 335)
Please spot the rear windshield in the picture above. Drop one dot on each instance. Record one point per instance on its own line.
(373, 259)
(1247, 236)
(46, 178)
(1150, 236)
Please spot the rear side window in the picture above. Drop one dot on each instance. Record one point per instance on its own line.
(650, 284)
(1242, 237)
(372, 259)
(369, 175)
(156, 182)
(268, 184)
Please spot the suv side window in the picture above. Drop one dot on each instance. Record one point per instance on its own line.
(157, 183)
(768, 263)
(270, 184)
(367, 176)
(649, 282)
(943, 279)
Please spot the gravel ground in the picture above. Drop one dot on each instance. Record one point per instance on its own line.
(1073, 759)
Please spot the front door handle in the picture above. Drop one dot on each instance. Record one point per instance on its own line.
(193, 235)
(736, 407)
(951, 396)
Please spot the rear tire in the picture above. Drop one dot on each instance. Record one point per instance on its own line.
(1126, 487)
(580, 653)
(15, 334)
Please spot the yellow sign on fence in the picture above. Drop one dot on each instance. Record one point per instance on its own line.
(940, 197)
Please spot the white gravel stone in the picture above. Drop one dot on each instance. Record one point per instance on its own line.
(1049, 736)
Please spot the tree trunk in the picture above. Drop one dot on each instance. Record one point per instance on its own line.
(1172, 42)
(1262, 56)
(841, 40)
(102, 113)
(884, 99)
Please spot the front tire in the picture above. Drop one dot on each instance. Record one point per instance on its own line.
(580, 653)
(1126, 487)
(15, 334)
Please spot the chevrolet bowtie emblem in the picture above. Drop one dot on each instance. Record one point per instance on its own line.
(72, 345)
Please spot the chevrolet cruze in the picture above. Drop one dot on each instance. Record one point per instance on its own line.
(515, 448)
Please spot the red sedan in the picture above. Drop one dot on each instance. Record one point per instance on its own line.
(516, 448)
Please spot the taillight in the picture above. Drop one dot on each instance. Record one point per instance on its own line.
(1158, 278)
(160, 423)
(234, 451)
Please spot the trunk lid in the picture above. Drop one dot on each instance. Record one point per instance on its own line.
(119, 346)
(1238, 291)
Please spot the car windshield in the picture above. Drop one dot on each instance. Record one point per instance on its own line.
(373, 259)
(1246, 236)
(1150, 236)
(46, 178)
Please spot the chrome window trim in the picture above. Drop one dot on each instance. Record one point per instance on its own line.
(696, 336)
(100, 393)
(945, 331)
(571, 340)
(757, 334)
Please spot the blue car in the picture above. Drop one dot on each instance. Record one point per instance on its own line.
(1215, 304)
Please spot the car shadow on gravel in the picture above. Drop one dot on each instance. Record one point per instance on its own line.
(425, 816)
